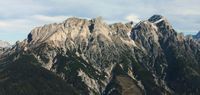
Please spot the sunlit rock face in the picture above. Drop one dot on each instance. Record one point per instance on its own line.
(96, 58)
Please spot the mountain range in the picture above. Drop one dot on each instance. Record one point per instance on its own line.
(91, 57)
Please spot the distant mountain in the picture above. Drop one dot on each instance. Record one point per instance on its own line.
(3, 46)
(90, 57)
(197, 36)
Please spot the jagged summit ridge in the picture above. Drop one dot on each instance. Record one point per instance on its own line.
(78, 26)
(75, 29)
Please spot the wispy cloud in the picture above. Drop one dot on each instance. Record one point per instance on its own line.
(133, 18)
(3, 24)
(49, 19)
(17, 29)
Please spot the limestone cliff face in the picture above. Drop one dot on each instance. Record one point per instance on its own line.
(92, 45)
(150, 58)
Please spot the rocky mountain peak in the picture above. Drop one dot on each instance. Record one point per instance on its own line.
(97, 20)
(77, 30)
(144, 32)
(161, 22)
(74, 21)
(156, 18)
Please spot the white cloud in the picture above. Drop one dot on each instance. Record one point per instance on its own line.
(133, 18)
(21, 8)
(17, 29)
(14, 24)
(49, 19)
(3, 24)
(26, 24)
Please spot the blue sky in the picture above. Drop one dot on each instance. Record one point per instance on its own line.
(19, 17)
